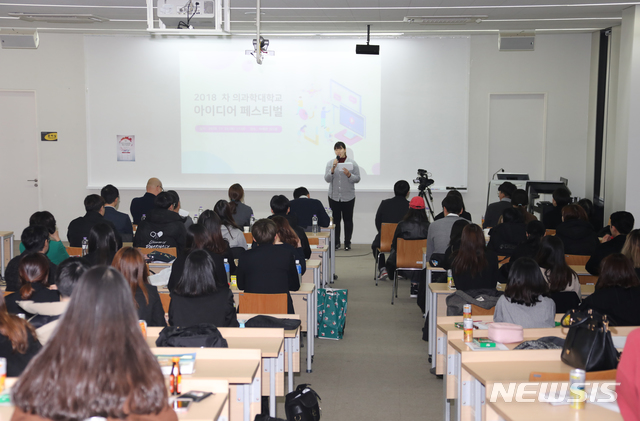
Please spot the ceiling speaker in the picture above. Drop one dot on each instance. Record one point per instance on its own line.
(521, 41)
(16, 39)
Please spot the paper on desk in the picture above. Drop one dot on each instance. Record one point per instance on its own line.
(314, 246)
(481, 325)
(161, 278)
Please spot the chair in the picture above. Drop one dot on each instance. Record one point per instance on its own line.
(576, 259)
(479, 311)
(74, 251)
(314, 241)
(166, 300)
(537, 376)
(550, 232)
(386, 238)
(263, 303)
(503, 260)
(248, 237)
(565, 300)
(408, 257)
(170, 250)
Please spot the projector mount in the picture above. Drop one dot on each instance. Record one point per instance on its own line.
(260, 44)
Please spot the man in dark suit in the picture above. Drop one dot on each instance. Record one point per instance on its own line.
(390, 211)
(621, 224)
(280, 206)
(143, 205)
(120, 220)
(80, 227)
(495, 209)
(268, 268)
(304, 207)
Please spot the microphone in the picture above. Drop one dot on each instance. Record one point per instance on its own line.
(494, 174)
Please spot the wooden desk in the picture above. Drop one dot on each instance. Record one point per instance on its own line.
(6, 249)
(331, 229)
(312, 275)
(322, 253)
(536, 411)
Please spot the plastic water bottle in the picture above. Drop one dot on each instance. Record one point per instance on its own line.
(330, 213)
(450, 282)
(227, 268)
(299, 269)
(144, 216)
(200, 210)
(195, 218)
(314, 224)
(252, 221)
(85, 246)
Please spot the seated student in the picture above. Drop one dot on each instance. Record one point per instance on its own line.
(130, 262)
(621, 224)
(230, 231)
(304, 207)
(57, 251)
(141, 206)
(97, 364)
(474, 266)
(587, 206)
(631, 249)
(558, 274)
(524, 302)
(466, 215)
(18, 341)
(34, 272)
(176, 206)
(506, 236)
(102, 245)
(553, 217)
(576, 232)
(120, 220)
(196, 298)
(280, 206)
(79, 228)
(287, 237)
(454, 243)
(528, 248)
(36, 240)
(267, 268)
(520, 200)
(163, 227)
(414, 226)
(242, 213)
(390, 211)
(494, 210)
(46, 315)
(617, 292)
(440, 231)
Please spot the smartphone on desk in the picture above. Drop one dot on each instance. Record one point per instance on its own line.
(195, 395)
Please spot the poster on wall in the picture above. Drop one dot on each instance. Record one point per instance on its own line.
(126, 147)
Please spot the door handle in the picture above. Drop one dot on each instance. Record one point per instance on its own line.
(35, 182)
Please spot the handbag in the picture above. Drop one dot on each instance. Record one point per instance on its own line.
(198, 336)
(589, 345)
(302, 404)
(506, 333)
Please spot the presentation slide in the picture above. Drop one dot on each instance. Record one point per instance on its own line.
(284, 116)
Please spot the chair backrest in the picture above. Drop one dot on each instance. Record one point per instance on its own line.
(409, 253)
(386, 236)
(166, 300)
(550, 232)
(170, 250)
(537, 376)
(503, 260)
(263, 303)
(479, 311)
(248, 237)
(576, 259)
(74, 251)
(565, 300)
(314, 241)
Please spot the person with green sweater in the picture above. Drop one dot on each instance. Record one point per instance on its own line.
(57, 251)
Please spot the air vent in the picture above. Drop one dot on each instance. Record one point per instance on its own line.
(444, 20)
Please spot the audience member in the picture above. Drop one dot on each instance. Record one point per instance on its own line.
(176, 206)
(628, 378)
(390, 211)
(57, 251)
(528, 248)
(163, 227)
(287, 237)
(440, 230)
(554, 267)
(587, 205)
(576, 232)
(242, 213)
(520, 200)
(631, 249)
(506, 236)
(97, 363)
(464, 214)
(102, 245)
(524, 302)
(553, 217)
(80, 227)
(617, 292)
(454, 243)
(34, 272)
(304, 207)
(130, 262)
(474, 266)
(18, 341)
(120, 220)
(197, 299)
(621, 224)
(267, 268)
(35, 239)
(494, 210)
(230, 231)
(280, 206)
(143, 205)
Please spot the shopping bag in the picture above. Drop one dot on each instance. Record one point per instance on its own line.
(332, 312)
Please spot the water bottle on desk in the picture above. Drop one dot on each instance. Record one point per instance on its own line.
(299, 269)
(200, 210)
(330, 213)
(314, 224)
(195, 218)
(252, 221)
(85, 246)
(227, 268)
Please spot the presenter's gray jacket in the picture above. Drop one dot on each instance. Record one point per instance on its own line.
(341, 187)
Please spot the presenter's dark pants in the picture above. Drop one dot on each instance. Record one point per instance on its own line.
(343, 210)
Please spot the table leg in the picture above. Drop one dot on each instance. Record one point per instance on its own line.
(272, 387)
(288, 343)
(310, 333)
(247, 402)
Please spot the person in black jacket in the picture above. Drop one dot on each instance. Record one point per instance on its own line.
(621, 224)
(528, 248)
(120, 220)
(268, 268)
(464, 214)
(130, 262)
(163, 227)
(34, 271)
(576, 232)
(36, 240)
(143, 205)
(280, 206)
(102, 245)
(474, 266)
(505, 237)
(494, 210)
(304, 207)
(80, 227)
(553, 217)
(18, 343)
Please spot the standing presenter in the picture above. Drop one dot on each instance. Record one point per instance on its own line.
(341, 174)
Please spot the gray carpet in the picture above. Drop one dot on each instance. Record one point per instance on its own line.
(380, 369)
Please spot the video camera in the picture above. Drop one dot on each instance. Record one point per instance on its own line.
(423, 180)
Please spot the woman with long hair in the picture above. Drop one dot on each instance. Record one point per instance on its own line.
(474, 266)
(576, 232)
(287, 237)
(617, 292)
(230, 231)
(524, 301)
(18, 342)
(631, 249)
(33, 272)
(97, 364)
(454, 242)
(554, 266)
(519, 201)
(241, 213)
(130, 262)
(102, 245)
(197, 299)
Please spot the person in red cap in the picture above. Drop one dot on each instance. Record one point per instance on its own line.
(414, 226)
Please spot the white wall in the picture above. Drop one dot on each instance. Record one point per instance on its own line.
(559, 67)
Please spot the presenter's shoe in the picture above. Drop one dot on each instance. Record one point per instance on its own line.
(347, 247)
(338, 246)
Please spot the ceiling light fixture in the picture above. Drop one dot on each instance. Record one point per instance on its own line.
(58, 17)
(444, 20)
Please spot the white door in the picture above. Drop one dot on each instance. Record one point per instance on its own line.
(18, 160)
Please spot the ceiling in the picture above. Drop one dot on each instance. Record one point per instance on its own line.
(300, 17)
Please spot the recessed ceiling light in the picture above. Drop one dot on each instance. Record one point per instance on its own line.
(59, 17)
(444, 20)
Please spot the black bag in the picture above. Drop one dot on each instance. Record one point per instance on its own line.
(198, 336)
(270, 321)
(588, 345)
(302, 404)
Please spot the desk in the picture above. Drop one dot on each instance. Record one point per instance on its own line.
(536, 411)
(312, 275)
(331, 229)
(323, 253)
(6, 249)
